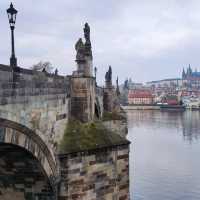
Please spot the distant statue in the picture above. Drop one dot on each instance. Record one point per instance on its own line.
(80, 50)
(117, 82)
(117, 87)
(44, 70)
(87, 33)
(126, 85)
(108, 75)
(95, 72)
(56, 72)
(88, 50)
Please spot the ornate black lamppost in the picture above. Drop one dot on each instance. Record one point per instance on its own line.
(12, 13)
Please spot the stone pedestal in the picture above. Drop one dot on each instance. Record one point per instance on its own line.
(82, 98)
(108, 98)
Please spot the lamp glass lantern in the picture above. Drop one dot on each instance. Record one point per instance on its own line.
(12, 13)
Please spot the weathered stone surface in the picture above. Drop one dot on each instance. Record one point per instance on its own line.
(101, 178)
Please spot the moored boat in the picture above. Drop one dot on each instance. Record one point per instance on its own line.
(172, 107)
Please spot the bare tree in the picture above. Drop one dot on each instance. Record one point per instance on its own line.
(43, 66)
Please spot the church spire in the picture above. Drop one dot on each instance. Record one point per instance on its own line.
(190, 70)
(183, 74)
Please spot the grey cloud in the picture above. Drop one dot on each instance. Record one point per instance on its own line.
(140, 38)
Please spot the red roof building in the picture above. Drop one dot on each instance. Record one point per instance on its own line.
(170, 100)
(140, 96)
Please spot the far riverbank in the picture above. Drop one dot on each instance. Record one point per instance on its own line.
(141, 107)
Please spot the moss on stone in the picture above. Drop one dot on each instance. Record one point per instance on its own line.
(107, 116)
(88, 136)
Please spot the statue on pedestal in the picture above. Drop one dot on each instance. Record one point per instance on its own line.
(108, 76)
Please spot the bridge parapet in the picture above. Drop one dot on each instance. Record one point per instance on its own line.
(20, 85)
(25, 78)
(18, 93)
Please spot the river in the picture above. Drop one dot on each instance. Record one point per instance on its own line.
(164, 155)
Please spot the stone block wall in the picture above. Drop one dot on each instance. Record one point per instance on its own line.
(46, 117)
(101, 174)
(22, 177)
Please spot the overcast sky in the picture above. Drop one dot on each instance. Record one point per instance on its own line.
(142, 39)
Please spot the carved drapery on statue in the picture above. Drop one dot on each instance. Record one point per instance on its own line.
(80, 50)
(87, 33)
(88, 50)
(108, 92)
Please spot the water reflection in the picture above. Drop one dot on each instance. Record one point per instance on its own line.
(186, 122)
(191, 125)
(164, 154)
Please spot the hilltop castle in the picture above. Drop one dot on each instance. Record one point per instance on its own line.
(189, 74)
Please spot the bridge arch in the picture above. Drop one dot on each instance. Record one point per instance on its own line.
(20, 137)
(21, 175)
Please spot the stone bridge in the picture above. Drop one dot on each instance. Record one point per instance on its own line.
(34, 110)
(33, 114)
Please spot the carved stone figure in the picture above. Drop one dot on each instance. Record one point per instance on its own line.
(117, 87)
(87, 33)
(117, 82)
(86, 30)
(108, 75)
(126, 85)
(56, 71)
(80, 50)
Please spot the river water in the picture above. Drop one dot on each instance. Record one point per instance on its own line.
(164, 155)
